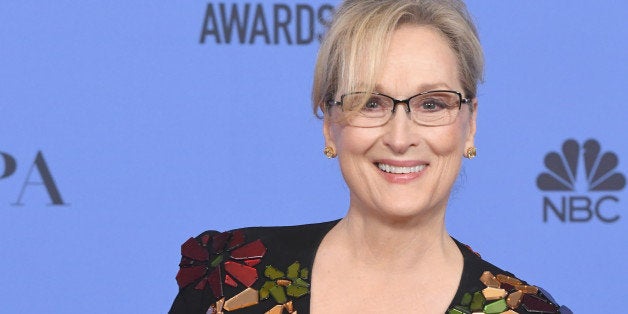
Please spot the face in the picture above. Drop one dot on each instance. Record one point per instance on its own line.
(402, 169)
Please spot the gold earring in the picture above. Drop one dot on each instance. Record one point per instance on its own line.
(329, 152)
(471, 152)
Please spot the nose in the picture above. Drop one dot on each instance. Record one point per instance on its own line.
(400, 130)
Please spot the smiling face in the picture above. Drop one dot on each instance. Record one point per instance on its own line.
(402, 169)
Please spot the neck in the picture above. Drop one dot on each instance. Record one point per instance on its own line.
(402, 241)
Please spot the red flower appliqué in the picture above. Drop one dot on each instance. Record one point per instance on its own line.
(211, 256)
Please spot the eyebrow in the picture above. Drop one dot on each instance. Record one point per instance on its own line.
(423, 87)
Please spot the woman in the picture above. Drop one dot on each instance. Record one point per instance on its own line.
(396, 81)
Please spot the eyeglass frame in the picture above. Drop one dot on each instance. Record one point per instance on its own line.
(461, 100)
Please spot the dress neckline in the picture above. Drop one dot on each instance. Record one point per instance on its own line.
(467, 256)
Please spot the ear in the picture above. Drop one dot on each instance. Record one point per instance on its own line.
(470, 140)
(329, 141)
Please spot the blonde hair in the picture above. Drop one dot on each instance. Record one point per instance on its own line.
(360, 33)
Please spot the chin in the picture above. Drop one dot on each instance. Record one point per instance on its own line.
(405, 212)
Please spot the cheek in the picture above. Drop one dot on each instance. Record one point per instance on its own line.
(447, 145)
(350, 140)
(335, 132)
(447, 141)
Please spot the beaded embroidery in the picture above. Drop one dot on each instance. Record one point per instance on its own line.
(504, 294)
(212, 256)
(220, 259)
(205, 260)
(293, 280)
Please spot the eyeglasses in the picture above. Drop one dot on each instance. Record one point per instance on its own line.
(431, 108)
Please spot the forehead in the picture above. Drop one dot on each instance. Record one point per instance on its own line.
(418, 58)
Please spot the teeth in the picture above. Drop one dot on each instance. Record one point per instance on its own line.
(395, 169)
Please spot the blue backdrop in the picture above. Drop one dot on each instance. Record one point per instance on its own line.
(125, 131)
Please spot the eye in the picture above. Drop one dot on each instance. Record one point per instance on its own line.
(374, 104)
(432, 105)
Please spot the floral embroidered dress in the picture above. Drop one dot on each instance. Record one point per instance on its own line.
(267, 270)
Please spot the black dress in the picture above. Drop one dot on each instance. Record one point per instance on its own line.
(267, 270)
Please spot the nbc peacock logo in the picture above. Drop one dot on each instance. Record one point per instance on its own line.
(581, 169)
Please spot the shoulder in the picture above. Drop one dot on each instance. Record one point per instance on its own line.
(488, 288)
(221, 269)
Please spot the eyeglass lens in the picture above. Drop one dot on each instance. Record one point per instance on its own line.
(430, 109)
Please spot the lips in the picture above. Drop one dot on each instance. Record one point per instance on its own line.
(401, 171)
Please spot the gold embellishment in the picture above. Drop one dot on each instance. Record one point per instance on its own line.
(489, 280)
(514, 299)
(471, 152)
(329, 152)
(494, 293)
(277, 309)
(243, 299)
